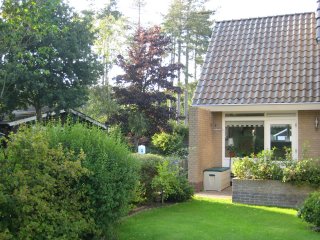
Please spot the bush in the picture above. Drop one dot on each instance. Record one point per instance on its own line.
(167, 143)
(304, 171)
(42, 190)
(310, 211)
(148, 170)
(181, 190)
(174, 143)
(244, 168)
(114, 171)
(167, 175)
(261, 166)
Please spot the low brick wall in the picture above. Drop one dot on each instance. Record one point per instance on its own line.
(268, 193)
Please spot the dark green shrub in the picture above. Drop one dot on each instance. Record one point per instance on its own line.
(114, 171)
(303, 172)
(42, 190)
(181, 190)
(148, 170)
(310, 211)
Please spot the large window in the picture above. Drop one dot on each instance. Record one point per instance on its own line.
(243, 138)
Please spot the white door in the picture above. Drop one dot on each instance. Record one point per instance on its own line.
(281, 134)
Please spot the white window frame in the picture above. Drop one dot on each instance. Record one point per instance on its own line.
(268, 118)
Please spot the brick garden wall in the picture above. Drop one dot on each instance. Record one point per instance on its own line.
(268, 193)
(309, 136)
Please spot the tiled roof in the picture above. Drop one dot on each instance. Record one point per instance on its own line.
(262, 60)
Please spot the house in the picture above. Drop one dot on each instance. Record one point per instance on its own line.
(28, 116)
(259, 89)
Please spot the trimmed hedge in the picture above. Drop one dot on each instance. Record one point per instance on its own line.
(64, 182)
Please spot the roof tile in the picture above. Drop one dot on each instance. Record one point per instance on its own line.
(262, 60)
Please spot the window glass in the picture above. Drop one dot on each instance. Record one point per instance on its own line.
(243, 138)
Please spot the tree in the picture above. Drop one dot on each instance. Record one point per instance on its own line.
(189, 23)
(145, 86)
(52, 54)
(110, 27)
(99, 105)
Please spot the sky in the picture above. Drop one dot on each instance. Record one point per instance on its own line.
(226, 9)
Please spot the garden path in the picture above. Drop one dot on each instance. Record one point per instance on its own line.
(224, 194)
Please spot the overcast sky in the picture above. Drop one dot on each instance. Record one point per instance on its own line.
(226, 9)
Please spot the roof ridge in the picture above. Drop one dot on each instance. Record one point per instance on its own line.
(270, 16)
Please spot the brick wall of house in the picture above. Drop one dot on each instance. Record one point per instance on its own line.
(204, 144)
(309, 136)
(268, 193)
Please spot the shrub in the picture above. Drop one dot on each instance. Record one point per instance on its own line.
(167, 143)
(168, 178)
(310, 211)
(42, 190)
(148, 170)
(243, 168)
(164, 181)
(181, 190)
(304, 171)
(114, 172)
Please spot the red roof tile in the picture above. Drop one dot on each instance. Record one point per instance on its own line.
(262, 60)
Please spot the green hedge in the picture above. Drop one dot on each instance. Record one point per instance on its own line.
(64, 182)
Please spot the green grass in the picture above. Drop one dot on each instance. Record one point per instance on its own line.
(211, 219)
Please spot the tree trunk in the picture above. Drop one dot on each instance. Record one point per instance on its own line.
(186, 107)
(195, 64)
(38, 113)
(179, 79)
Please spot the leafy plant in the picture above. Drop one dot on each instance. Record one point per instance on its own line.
(164, 181)
(167, 143)
(243, 168)
(43, 191)
(148, 170)
(114, 178)
(181, 190)
(303, 171)
(310, 211)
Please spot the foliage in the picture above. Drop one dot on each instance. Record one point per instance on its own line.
(159, 177)
(138, 125)
(181, 189)
(244, 168)
(146, 85)
(174, 143)
(50, 48)
(189, 25)
(114, 171)
(264, 166)
(305, 171)
(43, 194)
(110, 28)
(165, 179)
(167, 143)
(99, 105)
(310, 211)
(148, 170)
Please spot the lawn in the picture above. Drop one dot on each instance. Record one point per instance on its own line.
(211, 219)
